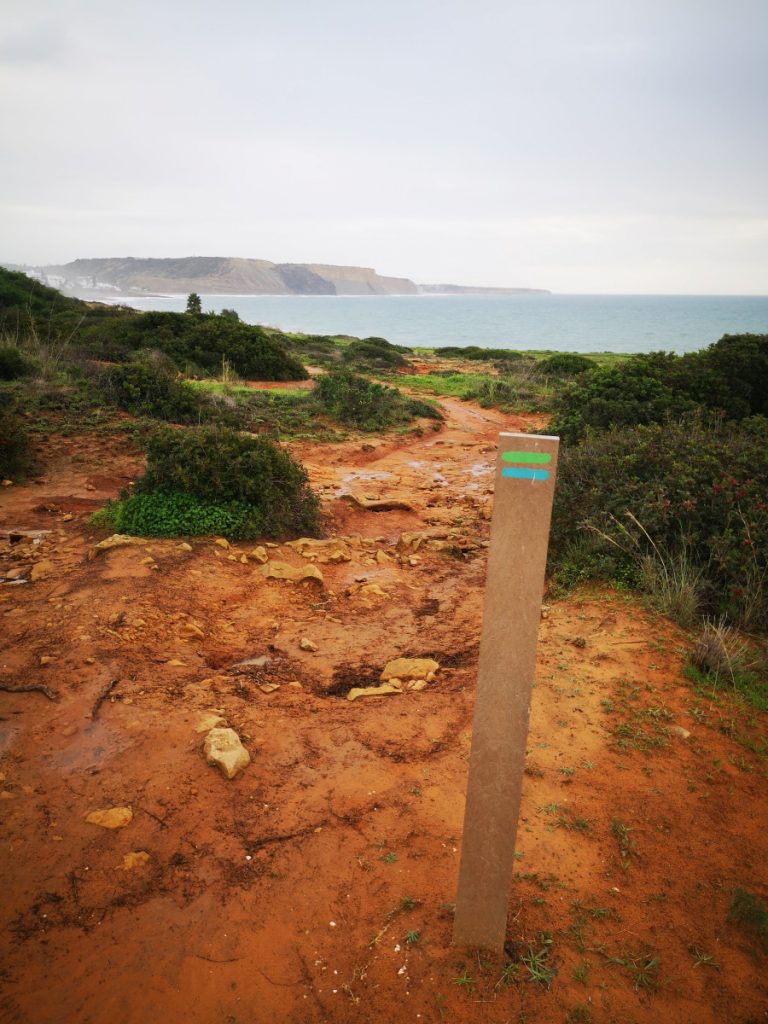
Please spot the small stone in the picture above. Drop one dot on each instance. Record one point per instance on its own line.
(296, 684)
(222, 543)
(259, 554)
(419, 684)
(135, 859)
(67, 517)
(413, 560)
(410, 668)
(374, 691)
(678, 730)
(6, 794)
(244, 559)
(117, 540)
(149, 560)
(223, 748)
(192, 631)
(269, 687)
(41, 569)
(69, 730)
(382, 557)
(184, 546)
(333, 550)
(284, 571)
(209, 721)
(307, 645)
(7, 483)
(89, 661)
(372, 590)
(112, 817)
(46, 659)
(175, 663)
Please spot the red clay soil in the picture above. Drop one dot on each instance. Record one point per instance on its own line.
(318, 884)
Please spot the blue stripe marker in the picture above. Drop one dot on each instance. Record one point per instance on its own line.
(525, 474)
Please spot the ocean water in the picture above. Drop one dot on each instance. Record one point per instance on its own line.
(574, 323)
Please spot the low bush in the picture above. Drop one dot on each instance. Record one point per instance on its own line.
(15, 456)
(477, 352)
(683, 502)
(221, 466)
(14, 364)
(375, 354)
(729, 377)
(198, 340)
(147, 389)
(563, 365)
(362, 403)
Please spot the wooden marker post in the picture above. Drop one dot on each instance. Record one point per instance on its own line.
(522, 509)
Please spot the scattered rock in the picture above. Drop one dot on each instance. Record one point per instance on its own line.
(269, 687)
(6, 794)
(372, 590)
(259, 554)
(184, 546)
(175, 663)
(117, 540)
(382, 557)
(189, 629)
(260, 662)
(112, 817)
(410, 669)
(333, 550)
(374, 691)
(285, 571)
(46, 659)
(223, 748)
(378, 504)
(69, 730)
(296, 684)
(135, 859)
(418, 684)
(41, 569)
(307, 645)
(209, 721)
(222, 543)
(678, 730)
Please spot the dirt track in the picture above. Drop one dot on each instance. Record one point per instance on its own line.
(287, 894)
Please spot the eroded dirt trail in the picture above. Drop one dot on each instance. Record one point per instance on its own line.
(317, 885)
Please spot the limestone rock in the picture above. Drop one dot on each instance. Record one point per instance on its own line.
(285, 571)
(209, 721)
(410, 668)
(222, 543)
(680, 731)
(269, 687)
(117, 540)
(307, 645)
(184, 546)
(223, 748)
(41, 569)
(375, 691)
(259, 554)
(379, 504)
(189, 629)
(111, 817)
(333, 550)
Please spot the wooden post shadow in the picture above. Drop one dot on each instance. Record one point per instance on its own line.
(522, 509)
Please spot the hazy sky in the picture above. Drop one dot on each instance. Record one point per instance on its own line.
(577, 145)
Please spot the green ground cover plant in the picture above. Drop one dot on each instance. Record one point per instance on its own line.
(147, 389)
(372, 354)
(213, 479)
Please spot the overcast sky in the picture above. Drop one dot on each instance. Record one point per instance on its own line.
(577, 145)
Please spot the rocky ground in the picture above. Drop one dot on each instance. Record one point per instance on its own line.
(317, 884)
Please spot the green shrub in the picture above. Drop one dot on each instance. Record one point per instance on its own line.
(221, 466)
(728, 377)
(565, 364)
(13, 364)
(375, 354)
(201, 340)
(145, 389)
(362, 403)
(751, 914)
(175, 514)
(477, 352)
(666, 498)
(15, 458)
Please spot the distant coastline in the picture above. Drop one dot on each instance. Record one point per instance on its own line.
(226, 275)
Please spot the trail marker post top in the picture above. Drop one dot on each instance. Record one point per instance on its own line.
(517, 555)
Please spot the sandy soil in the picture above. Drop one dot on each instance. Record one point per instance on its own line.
(318, 884)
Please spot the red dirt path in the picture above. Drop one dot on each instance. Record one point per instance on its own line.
(287, 894)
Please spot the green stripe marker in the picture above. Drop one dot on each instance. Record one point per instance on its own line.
(537, 458)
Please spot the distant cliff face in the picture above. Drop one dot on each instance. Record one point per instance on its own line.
(219, 275)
